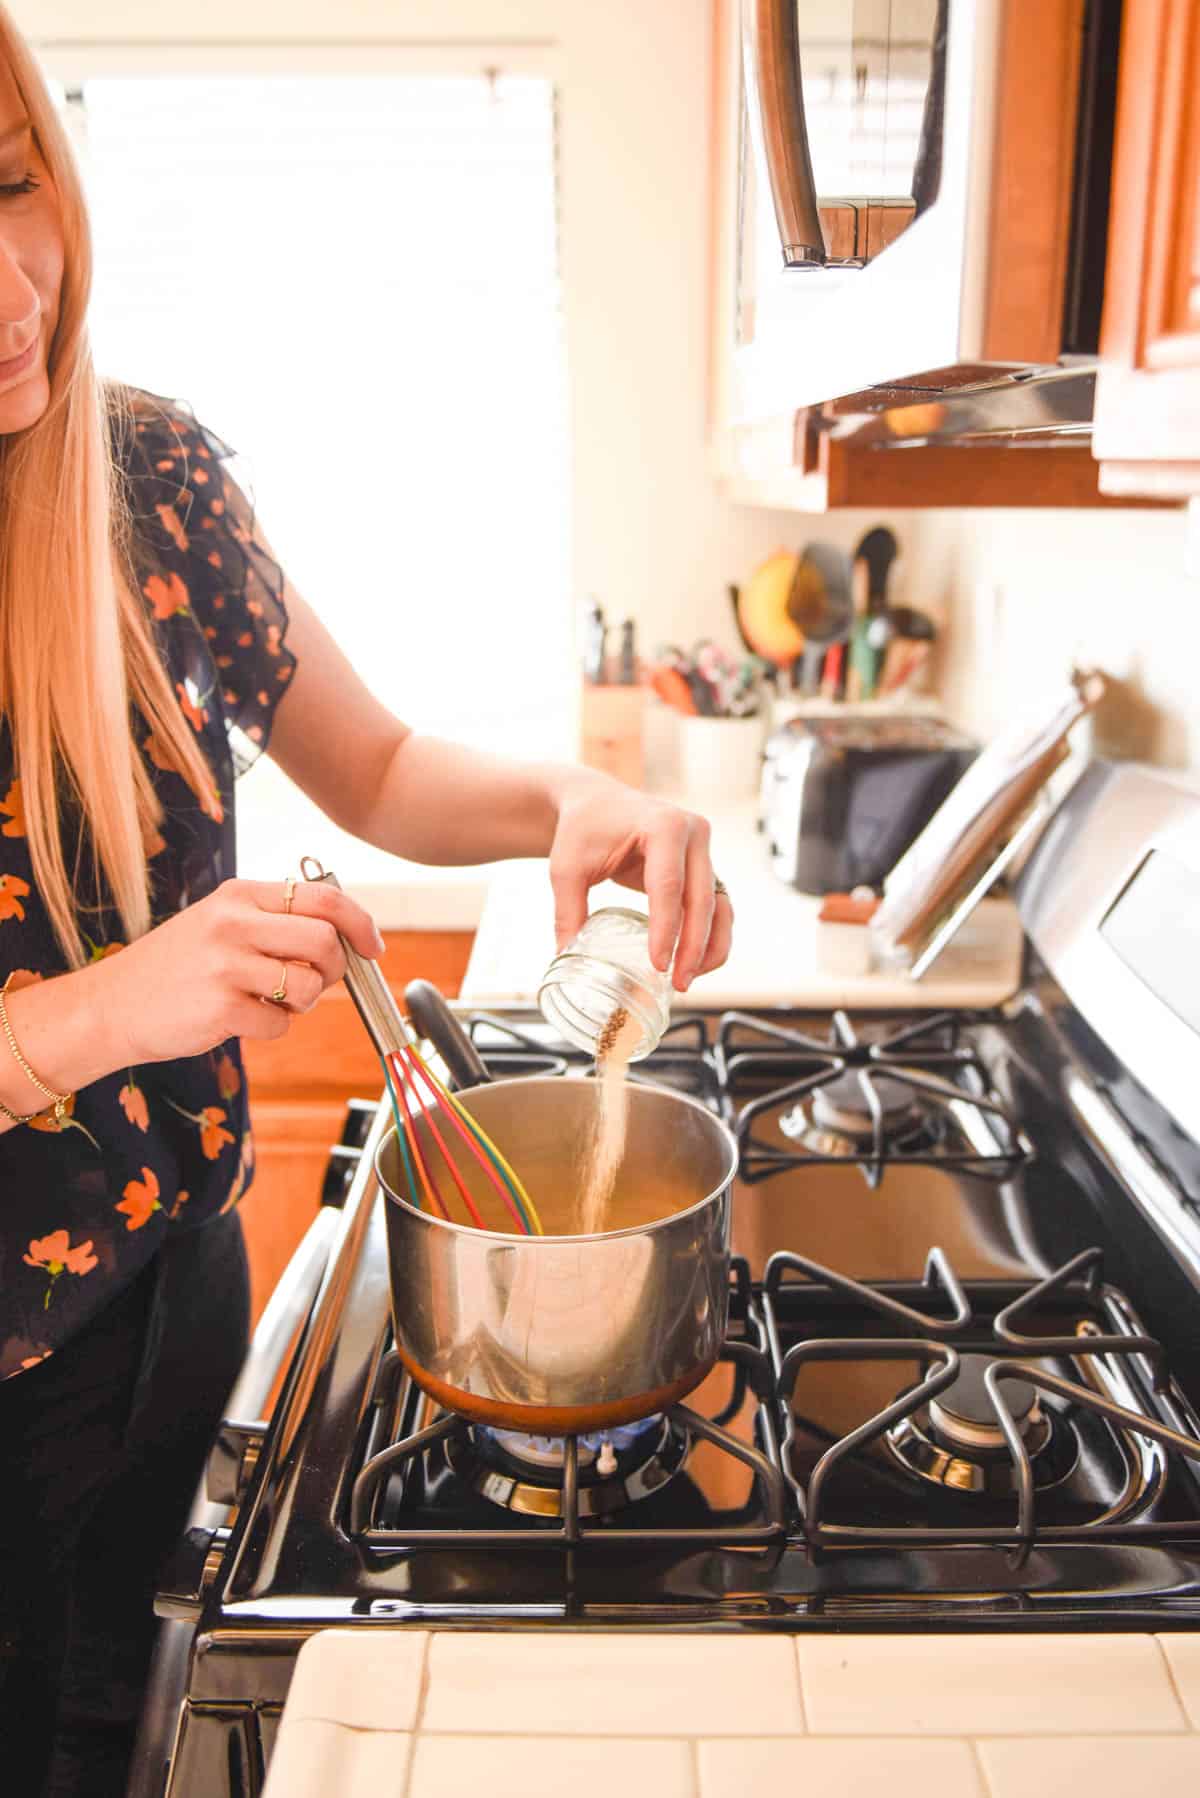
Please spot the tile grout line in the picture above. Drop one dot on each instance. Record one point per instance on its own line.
(985, 1784)
(804, 1729)
(694, 1747)
(422, 1695)
(1165, 1658)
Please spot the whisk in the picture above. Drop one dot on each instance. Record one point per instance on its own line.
(416, 1093)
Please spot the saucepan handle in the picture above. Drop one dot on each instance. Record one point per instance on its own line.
(434, 1020)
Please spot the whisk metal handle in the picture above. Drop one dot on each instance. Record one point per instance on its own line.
(367, 987)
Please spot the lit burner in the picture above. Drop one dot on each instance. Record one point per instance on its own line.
(549, 1452)
(957, 1441)
(524, 1473)
(837, 1119)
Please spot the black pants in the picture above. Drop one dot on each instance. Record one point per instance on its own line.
(101, 1450)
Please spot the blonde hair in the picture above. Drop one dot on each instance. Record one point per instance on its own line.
(76, 648)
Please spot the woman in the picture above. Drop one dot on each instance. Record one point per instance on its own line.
(150, 649)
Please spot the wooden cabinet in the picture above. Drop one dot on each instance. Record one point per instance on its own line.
(1147, 426)
(844, 387)
(299, 1087)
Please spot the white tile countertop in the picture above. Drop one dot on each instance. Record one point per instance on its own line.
(538, 1714)
(776, 957)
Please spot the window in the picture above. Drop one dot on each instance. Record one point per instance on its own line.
(354, 279)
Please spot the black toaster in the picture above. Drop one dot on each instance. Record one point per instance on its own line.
(843, 797)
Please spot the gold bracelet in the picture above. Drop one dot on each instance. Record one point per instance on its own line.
(61, 1100)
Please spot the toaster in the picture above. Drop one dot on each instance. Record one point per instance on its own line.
(843, 797)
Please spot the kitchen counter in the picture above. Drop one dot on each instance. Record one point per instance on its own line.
(383, 1712)
(775, 958)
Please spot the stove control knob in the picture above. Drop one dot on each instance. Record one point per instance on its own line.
(189, 1573)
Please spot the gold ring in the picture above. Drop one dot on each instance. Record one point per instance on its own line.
(720, 890)
(289, 893)
(280, 993)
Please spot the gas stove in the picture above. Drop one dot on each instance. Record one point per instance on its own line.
(961, 1381)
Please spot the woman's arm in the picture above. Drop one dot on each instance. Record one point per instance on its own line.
(438, 802)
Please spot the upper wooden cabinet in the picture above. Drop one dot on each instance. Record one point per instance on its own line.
(1147, 426)
(943, 241)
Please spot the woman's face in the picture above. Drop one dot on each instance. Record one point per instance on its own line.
(31, 266)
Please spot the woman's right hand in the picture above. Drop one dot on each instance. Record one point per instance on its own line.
(206, 974)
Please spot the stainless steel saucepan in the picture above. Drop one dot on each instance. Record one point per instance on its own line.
(562, 1333)
(559, 1334)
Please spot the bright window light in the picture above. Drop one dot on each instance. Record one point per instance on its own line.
(355, 281)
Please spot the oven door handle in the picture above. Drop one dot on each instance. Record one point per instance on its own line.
(774, 90)
(240, 1436)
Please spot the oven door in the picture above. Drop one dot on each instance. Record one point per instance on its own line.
(904, 172)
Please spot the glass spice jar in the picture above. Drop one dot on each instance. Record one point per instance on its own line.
(607, 968)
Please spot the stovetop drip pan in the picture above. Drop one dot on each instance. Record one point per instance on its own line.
(1072, 1317)
(771, 1073)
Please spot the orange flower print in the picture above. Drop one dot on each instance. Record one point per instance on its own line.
(173, 525)
(55, 1256)
(246, 640)
(181, 1199)
(132, 1101)
(254, 607)
(229, 1081)
(213, 1134)
(212, 807)
(193, 708)
(200, 478)
(14, 809)
(155, 844)
(140, 1200)
(167, 597)
(217, 506)
(33, 1360)
(46, 1120)
(22, 977)
(12, 890)
(211, 1124)
(273, 639)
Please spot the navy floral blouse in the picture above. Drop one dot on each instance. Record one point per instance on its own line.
(150, 1150)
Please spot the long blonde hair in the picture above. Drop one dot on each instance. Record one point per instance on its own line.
(76, 647)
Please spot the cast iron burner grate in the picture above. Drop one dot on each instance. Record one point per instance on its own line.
(934, 1324)
(682, 1058)
(744, 1351)
(922, 1095)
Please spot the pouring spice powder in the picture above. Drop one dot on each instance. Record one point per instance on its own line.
(606, 1147)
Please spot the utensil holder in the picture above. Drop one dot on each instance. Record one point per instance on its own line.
(720, 756)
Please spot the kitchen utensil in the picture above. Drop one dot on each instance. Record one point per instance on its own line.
(560, 1334)
(673, 688)
(417, 1093)
(765, 623)
(876, 552)
(820, 606)
(627, 655)
(832, 673)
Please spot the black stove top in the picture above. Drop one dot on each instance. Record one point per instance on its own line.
(961, 1383)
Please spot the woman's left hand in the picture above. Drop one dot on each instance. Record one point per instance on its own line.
(607, 831)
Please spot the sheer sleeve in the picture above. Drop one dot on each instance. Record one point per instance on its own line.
(236, 589)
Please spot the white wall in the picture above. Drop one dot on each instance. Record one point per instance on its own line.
(1027, 593)
(650, 536)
